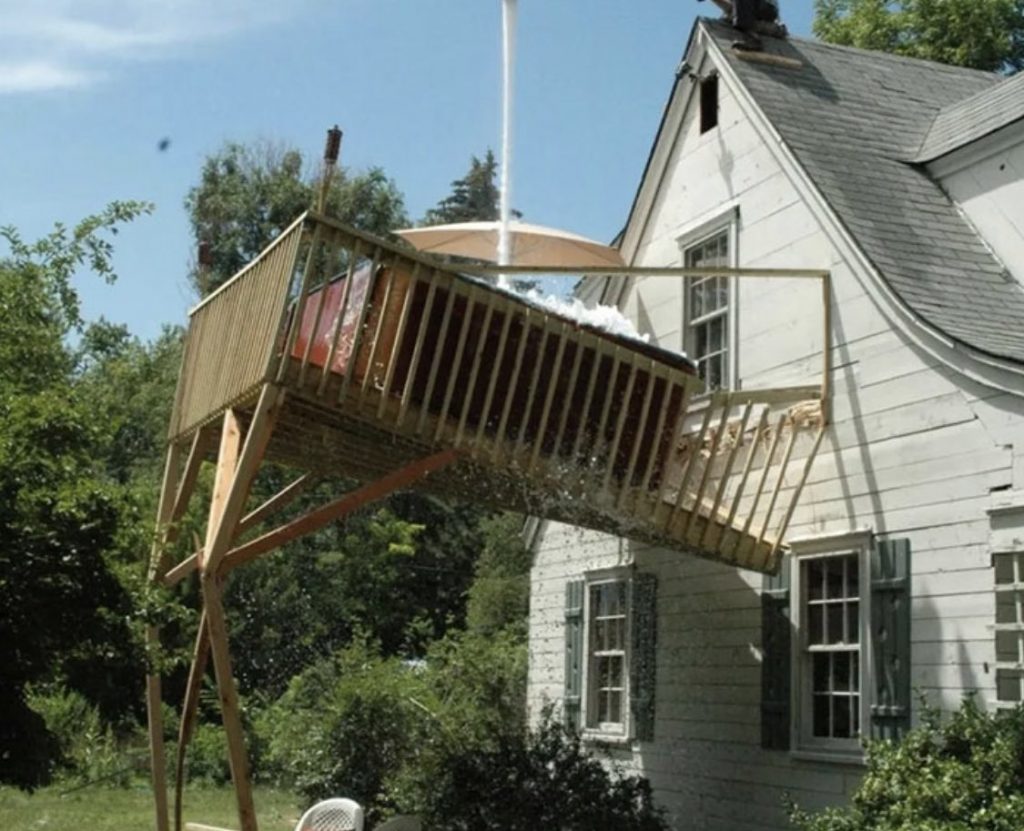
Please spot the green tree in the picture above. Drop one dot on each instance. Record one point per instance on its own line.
(962, 774)
(983, 34)
(499, 596)
(248, 193)
(474, 197)
(63, 610)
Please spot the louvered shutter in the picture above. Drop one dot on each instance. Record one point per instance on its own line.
(572, 699)
(890, 638)
(643, 651)
(776, 658)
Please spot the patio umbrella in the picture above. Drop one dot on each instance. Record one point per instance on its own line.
(532, 245)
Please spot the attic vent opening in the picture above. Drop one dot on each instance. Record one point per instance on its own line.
(708, 103)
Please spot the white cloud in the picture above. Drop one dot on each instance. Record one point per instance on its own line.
(34, 76)
(64, 44)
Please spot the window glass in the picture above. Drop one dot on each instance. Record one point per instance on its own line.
(1009, 618)
(606, 653)
(707, 303)
(831, 653)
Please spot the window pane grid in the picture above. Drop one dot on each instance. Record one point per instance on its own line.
(708, 311)
(831, 608)
(1009, 615)
(607, 653)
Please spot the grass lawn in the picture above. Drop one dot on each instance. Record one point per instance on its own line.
(131, 809)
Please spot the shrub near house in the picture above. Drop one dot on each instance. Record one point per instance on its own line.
(965, 774)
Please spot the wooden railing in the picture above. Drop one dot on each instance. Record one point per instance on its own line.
(232, 335)
(602, 431)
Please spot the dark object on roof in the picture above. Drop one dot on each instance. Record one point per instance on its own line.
(851, 117)
(973, 118)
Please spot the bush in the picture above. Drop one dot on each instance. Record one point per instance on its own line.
(966, 774)
(533, 780)
(342, 726)
(89, 750)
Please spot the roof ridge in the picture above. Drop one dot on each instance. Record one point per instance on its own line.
(874, 53)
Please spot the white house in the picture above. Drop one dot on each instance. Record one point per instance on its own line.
(905, 566)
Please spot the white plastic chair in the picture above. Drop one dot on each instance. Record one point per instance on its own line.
(332, 815)
(401, 823)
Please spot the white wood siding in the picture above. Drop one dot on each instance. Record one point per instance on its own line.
(915, 450)
(986, 178)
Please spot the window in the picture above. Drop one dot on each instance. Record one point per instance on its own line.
(830, 660)
(708, 103)
(836, 645)
(607, 656)
(611, 626)
(707, 311)
(1009, 574)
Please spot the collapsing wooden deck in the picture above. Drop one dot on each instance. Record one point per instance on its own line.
(387, 357)
(336, 352)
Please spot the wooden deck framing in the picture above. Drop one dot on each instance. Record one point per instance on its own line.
(338, 352)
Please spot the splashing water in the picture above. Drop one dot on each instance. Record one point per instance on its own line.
(508, 33)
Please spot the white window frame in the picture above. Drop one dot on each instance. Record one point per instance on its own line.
(606, 731)
(700, 232)
(802, 741)
(1014, 588)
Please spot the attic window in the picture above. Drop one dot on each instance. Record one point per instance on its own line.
(708, 103)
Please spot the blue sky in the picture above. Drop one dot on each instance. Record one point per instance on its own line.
(88, 88)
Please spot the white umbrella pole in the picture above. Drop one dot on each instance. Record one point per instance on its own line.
(508, 30)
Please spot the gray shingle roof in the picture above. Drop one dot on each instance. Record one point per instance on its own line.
(850, 117)
(965, 121)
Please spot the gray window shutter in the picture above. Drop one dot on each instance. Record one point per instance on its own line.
(890, 638)
(572, 699)
(643, 652)
(776, 658)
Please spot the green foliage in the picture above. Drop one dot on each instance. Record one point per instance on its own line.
(532, 780)
(500, 594)
(342, 725)
(376, 728)
(474, 197)
(90, 751)
(248, 193)
(207, 757)
(963, 774)
(984, 34)
(63, 611)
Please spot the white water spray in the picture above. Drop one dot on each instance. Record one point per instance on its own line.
(508, 43)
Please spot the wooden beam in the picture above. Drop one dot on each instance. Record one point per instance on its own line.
(168, 534)
(198, 826)
(189, 710)
(227, 461)
(154, 695)
(639, 271)
(340, 507)
(278, 501)
(346, 290)
(299, 308)
(230, 711)
(235, 491)
(155, 724)
(727, 472)
(808, 462)
(358, 333)
(826, 368)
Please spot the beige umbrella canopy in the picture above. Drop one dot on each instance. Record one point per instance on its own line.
(531, 245)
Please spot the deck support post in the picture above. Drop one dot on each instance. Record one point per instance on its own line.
(154, 697)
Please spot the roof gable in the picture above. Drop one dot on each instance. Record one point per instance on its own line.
(957, 125)
(850, 117)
